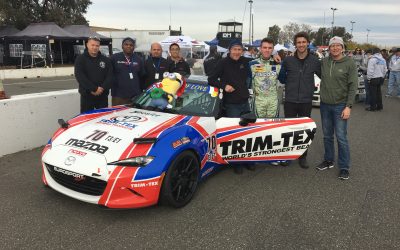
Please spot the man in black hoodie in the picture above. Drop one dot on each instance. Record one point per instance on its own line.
(93, 71)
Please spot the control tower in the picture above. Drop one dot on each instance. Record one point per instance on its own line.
(228, 31)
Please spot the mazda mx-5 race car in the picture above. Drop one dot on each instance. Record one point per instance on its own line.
(129, 157)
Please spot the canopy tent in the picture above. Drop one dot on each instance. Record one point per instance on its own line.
(212, 42)
(279, 47)
(8, 31)
(187, 44)
(39, 31)
(49, 32)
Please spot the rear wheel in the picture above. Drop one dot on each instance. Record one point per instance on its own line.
(180, 182)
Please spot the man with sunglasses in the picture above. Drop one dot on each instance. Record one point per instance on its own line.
(128, 73)
(93, 72)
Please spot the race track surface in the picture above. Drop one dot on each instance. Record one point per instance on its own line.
(270, 208)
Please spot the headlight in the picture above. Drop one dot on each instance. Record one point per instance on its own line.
(139, 161)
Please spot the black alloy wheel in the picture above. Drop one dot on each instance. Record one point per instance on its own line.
(180, 182)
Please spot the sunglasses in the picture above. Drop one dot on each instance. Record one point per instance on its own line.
(96, 38)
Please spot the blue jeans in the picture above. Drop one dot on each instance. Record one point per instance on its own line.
(332, 123)
(234, 110)
(394, 79)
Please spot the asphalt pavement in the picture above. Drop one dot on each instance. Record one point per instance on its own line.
(269, 208)
(38, 85)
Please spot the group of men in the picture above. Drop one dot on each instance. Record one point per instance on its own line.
(125, 73)
(241, 77)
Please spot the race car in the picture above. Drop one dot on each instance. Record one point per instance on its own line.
(130, 156)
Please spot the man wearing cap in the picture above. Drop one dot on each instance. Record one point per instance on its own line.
(128, 73)
(394, 75)
(154, 66)
(338, 88)
(93, 72)
(231, 74)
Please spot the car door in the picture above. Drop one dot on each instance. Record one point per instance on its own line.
(264, 140)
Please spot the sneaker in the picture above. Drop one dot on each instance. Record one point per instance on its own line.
(274, 163)
(344, 174)
(325, 165)
(285, 163)
(303, 163)
(387, 95)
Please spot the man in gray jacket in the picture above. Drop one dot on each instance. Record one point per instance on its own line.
(297, 73)
(376, 72)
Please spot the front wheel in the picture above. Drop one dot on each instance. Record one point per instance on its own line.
(180, 182)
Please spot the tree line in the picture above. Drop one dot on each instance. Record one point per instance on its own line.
(20, 13)
(318, 38)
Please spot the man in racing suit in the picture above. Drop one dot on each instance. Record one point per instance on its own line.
(264, 73)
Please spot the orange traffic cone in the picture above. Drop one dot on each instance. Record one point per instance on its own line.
(2, 92)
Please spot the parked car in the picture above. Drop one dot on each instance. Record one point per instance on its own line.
(129, 156)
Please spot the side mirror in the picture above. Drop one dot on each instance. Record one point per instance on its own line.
(247, 118)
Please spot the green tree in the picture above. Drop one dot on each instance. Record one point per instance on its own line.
(21, 13)
(289, 30)
(273, 32)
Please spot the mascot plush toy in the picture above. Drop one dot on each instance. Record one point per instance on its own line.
(171, 87)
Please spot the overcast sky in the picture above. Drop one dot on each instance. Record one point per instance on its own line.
(199, 18)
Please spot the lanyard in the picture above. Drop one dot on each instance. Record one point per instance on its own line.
(158, 65)
(129, 62)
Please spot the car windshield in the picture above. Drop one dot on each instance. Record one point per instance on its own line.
(198, 99)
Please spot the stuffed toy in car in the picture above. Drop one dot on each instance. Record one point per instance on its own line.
(171, 87)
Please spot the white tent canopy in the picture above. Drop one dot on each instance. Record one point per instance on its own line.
(279, 47)
(186, 43)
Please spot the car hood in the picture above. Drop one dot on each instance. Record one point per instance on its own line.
(112, 134)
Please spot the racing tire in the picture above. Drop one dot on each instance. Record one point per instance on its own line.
(181, 180)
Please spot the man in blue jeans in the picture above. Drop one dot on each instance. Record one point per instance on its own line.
(338, 87)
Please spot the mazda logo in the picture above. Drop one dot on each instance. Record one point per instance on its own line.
(69, 161)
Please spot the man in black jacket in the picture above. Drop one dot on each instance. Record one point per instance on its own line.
(155, 66)
(211, 60)
(297, 73)
(128, 73)
(176, 63)
(231, 75)
(93, 71)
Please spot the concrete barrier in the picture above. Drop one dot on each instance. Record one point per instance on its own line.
(35, 72)
(28, 121)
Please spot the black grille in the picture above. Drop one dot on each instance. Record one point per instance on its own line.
(82, 184)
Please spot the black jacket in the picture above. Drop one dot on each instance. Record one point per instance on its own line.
(153, 66)
(181, 67)
(125, 86)
(93, 72)
(210, 62)
(298, 78)
(234, 73)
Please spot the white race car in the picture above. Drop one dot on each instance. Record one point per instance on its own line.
(129, 157)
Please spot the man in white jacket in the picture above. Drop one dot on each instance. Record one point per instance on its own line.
(376, 72)
(394, 75)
